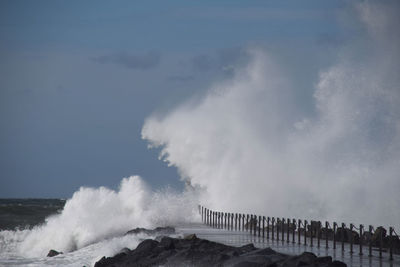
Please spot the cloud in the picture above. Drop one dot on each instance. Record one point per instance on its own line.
(145, 61)
(203, 63)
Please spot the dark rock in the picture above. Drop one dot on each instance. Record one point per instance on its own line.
(53, 253)
(195, 251)
(156, 231)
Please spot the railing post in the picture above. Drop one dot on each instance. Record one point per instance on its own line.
(236, 218)
(370, 242)
(231, 221)
(259, 226)
(334, 235)
(294, 231)
(380, 242)
(298, 231)
(311, 233)
(319, 234)
(243, 217)
(273, 227)
(267, 227)
(351, 238)
(305, 232)
(254, 225)
(277, 228)
(326, 234)
(251, 224)
(283, 229)
(288, 230)
(391, 243)
(343, 229)
(361, 239)
(247, 222)
(263, 235)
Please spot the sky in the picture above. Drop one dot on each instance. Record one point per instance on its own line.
(79, 78)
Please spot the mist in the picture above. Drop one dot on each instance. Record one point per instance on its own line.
(249, 146)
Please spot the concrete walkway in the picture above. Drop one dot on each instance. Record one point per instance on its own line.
(237, 238)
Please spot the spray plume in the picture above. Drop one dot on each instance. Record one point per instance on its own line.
(248, 146)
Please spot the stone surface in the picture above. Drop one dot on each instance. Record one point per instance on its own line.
(193, 251)
(53, 253)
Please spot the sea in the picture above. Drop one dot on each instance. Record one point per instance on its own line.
(91, 224)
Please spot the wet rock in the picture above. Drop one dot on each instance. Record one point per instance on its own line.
(156, 231)
(53, 253)
(194, 251)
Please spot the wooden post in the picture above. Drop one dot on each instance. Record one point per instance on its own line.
(298, 231)
(283, 229)
(343, 228)
(305, 232)
(326, 234)
(334, 235)
(268, 227)
(294, 231)
(318, 234)
(231, 221)
(361, 239)
(263, 235)
(380, 243)
(311, 233)
(288, 230)
(370, 242)
(391, 243)
(277, 228)
(236, 218)
(273, 228)
(259, 226)
(351, 238)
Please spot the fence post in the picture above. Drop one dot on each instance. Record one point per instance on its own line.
(311, 233)
(370, 242)
(294, 231)
(259, 225)
(298, 231)
(343, 228)
(326, 234)
(263, 235)
(361, 239)
(243, 222)
(254, 225)
(305, 232)
(334, 235)
(273, 228)
(319, 233)
(231, 221)
(288, 230)
(380, 243)
(277, 228)
(391, 243)
(247, 222)
(283, 229)
(351, 238)
(236, 218)
(267, 227)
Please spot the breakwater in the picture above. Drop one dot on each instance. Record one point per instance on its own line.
(312, 233)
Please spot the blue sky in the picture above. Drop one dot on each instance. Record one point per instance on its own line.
(78, 78)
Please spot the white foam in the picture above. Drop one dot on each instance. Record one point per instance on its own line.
(249, 144)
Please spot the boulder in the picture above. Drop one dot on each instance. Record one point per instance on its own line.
(53, 253)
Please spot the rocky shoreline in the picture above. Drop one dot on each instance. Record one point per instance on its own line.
(193, 251)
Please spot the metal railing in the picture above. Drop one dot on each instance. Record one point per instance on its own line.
(282, 229)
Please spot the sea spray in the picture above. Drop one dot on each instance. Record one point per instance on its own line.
(95, 219)
(251, 146)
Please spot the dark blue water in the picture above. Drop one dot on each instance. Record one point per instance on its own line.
(26, 213)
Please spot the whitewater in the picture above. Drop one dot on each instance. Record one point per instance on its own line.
(248, 145)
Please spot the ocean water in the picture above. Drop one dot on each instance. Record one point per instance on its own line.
(89, 225)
